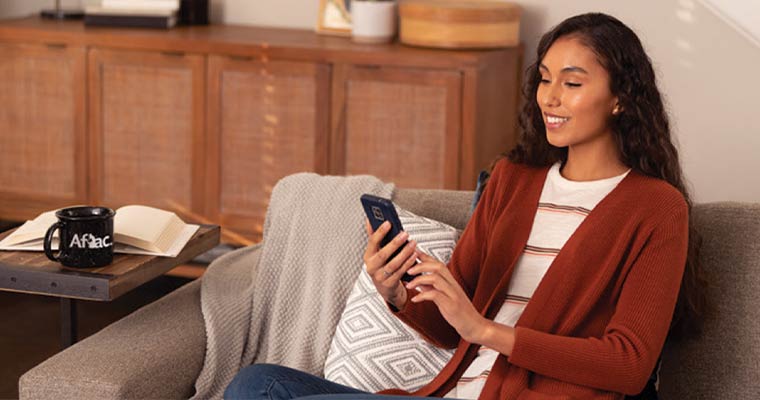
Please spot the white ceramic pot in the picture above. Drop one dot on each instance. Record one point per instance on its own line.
(373, 21)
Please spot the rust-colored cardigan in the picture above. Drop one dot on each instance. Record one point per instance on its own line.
(596, 324)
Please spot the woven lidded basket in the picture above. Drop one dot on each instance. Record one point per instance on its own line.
(459, 24)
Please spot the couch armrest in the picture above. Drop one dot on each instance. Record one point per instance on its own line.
(155, 352)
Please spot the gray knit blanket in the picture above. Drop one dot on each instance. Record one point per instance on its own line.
(284, 309)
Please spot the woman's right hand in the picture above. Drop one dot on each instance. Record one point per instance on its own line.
(386, 274)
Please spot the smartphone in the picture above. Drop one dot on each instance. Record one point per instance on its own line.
(379, 210)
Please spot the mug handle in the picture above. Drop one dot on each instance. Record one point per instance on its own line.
(49, 242)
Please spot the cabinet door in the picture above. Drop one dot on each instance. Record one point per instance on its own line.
(42, 128)
(267, 119)
(146, 125)
(401, 125)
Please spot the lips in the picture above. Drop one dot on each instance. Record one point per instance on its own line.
(555, 121)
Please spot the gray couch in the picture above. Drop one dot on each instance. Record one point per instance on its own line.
(157, 352)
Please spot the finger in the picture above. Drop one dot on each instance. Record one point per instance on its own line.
(423, 296)
(371, 267)
(373, 243)
(385, 253)
(438, 269)
(367, 226)
(408, 263)
(434, 267)
(387, 268)
(378, 235)
(436, 296)
(398, 261)
(390, 273)
(379, 276)
(436, 282)
(370, 261)
(425, 257)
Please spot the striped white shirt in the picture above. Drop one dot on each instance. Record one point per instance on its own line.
(563, 205)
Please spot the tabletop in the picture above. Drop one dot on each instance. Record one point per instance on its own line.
(32, 272)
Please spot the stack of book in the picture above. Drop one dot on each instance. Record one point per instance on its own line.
(133, 13)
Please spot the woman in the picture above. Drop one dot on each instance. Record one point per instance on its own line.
(565, 280)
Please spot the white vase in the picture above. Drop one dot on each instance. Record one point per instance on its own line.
(373, 21)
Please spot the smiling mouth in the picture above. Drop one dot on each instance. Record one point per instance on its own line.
(554, 122)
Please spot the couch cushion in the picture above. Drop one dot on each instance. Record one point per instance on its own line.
(372, 350)
(723, 363)
(451, 207)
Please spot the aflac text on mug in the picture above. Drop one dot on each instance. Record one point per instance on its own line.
(85, 237)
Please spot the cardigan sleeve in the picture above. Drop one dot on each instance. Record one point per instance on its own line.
(622, 359)
(464, 265)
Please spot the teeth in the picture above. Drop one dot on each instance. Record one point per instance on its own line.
(556, 120)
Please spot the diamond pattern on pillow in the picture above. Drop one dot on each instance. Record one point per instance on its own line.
(372, 350)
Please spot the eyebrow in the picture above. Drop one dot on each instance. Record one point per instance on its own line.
(571, 68)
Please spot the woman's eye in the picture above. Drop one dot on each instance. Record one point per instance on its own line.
(573, 84)
(544, 80)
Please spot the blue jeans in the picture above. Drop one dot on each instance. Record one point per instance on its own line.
(274, 382)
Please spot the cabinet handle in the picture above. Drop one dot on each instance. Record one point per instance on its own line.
(173, 53)
(56, 45)
(369, 66)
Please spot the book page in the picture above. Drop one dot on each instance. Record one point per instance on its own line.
(185, 235)
(32, 230)
(145, 227)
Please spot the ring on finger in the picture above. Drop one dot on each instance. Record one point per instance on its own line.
(386, 273)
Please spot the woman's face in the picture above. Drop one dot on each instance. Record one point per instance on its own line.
(574, 96)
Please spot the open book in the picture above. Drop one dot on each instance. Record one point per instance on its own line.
(137, 230)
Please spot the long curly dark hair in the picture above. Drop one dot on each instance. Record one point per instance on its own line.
(641, 131)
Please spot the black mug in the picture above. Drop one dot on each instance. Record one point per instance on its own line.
(86, 237)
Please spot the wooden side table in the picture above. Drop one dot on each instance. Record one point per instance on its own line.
(32, 272)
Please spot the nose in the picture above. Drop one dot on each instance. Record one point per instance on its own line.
(551, 96)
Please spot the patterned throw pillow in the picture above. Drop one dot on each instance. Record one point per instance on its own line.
(373, 350)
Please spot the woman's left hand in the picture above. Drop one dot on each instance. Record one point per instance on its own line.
(438, 285)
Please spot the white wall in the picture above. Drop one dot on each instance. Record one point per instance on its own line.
(279, 13)
(744, 14)
(707, 70)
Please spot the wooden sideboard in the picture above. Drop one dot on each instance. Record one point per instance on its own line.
(211, 117)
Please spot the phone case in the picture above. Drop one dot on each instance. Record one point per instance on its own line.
(379, 210)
